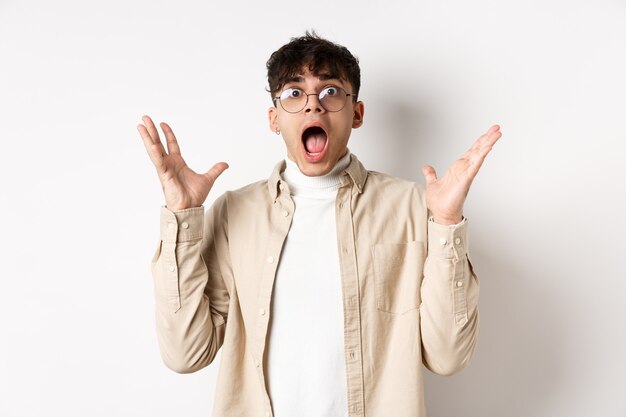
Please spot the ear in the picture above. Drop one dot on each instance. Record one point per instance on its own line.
(357, 115)
(272, 115)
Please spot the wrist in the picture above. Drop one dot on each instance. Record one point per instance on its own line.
(175, 207)
(447, 220)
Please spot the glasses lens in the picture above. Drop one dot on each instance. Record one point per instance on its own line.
(333, 98)
(293, 100)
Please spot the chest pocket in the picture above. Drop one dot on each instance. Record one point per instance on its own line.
(398, 271)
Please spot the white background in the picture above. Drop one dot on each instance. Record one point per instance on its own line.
(80, 199)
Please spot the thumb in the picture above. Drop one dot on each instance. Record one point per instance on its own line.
(429, 174)
(216, 170)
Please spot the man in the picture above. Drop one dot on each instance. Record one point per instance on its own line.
(326, 286)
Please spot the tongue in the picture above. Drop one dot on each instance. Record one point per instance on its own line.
(315, 143)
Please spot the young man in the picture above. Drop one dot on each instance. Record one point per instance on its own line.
(326, 286)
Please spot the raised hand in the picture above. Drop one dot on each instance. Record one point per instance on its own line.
(183, 188)
(445, 196)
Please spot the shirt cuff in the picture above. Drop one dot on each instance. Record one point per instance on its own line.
(182, 225)
(447, 241)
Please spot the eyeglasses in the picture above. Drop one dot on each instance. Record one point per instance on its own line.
(331, 98)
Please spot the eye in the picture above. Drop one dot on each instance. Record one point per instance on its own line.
(329, 91)
(291, 93)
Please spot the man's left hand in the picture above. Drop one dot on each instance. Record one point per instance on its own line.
(445, 196)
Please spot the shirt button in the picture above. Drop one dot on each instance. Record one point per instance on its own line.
(457, 240)
(185, 225)
(459, 283)
(172, 268)
(270, 260)
(285, 213)
(262, 311)
(352, 355)
(256, 363)
(443, 241)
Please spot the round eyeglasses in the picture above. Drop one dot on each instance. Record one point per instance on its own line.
(331, 98)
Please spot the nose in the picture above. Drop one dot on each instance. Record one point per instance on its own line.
(313, 104)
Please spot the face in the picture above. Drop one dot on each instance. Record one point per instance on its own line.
(316, 138)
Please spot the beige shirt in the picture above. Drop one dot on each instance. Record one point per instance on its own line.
(409, 293)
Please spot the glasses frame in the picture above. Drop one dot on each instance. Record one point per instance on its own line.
(318, 99)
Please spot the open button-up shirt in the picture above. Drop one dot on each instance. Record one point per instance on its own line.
(409, 292)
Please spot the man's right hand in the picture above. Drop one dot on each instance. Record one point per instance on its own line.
(183, 188)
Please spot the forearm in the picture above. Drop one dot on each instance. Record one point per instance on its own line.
(189, 330)
(449, 310)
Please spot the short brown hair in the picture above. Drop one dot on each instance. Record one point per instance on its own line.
(318, 55)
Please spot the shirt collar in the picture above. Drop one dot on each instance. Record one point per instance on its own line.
(355, 173)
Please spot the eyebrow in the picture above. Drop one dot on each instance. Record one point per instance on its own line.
(322, 77)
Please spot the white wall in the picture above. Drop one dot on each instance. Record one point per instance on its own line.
(80, 199)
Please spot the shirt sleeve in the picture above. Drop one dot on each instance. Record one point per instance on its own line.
(449, 292)
(191, 297)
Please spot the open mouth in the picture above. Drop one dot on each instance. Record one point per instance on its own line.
(314, 139)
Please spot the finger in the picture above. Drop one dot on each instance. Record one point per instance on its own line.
(487, 144)
(493, 129)
(486, 137)
(155, 150)
(172, 143)
(484, 144)
(429, 174)
(478, 156)
(215, 171)
(152, 130)
(153, 134)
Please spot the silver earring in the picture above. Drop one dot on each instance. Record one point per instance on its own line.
(277, 131)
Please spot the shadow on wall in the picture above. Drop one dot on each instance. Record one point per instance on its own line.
(397, 140)
(515, 367)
